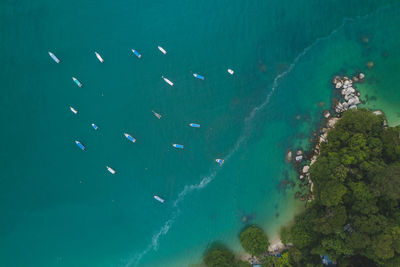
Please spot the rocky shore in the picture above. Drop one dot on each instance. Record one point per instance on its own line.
(346, 97)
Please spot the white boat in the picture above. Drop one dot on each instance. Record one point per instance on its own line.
(54, 57)
(167, 81)
(220, 161)
(156, 114)
(73, 110)
(136, 53)
(99, 57)
(111, 170)
(130, 138)
(162, 50)
(231, 72)
(159, 199)
(95, 126)
(76, 81)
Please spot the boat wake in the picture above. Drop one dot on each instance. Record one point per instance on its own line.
(243, 137)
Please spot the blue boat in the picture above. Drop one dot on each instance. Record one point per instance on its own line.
(159, 199)
(130, 138)
(79, 144)
(220, 161)
(136, 53)
(95, 126)
(177, 146)
(76, 81)
(198, 76)
(194, 125)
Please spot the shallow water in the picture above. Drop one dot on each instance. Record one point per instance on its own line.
(62, 207)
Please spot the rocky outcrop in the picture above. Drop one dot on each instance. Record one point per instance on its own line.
(349, 94)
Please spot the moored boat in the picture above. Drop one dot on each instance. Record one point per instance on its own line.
(156, 114)
(73, 110)
(230, 71)
(54, 57)
(130, 138)
(99, 57)
(76, 81)
(136, 53)
(162, 50)
(95, 126)
(195, 125)
(167, 81)
(177, 146)
(220, 161)
(79, 144)
(111, 170)
(159, 199)
(198, 76)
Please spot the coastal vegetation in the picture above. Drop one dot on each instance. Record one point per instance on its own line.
(354, 217)
(254, 240)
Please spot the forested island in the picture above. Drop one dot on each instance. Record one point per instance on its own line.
(354, 216)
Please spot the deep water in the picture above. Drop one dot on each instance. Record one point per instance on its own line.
(60, 206)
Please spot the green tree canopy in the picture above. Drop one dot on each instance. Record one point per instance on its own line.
(254, 240)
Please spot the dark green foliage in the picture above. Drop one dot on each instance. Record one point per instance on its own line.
(355, 217)
(219, 257)
(254, 240)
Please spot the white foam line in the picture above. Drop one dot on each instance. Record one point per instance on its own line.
(207, 179)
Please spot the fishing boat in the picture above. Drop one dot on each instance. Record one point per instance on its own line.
(167, 81)
(136, 53)
(76, 81)
(177, 146)
(156, 114)
(130, 138)
(159, 199)
(231, 72)
(162, 50)
(73, 110)
(194, 125)
(95, 126)
(54, 57)
(220, 161)
(79, 144)
(99, 57)
(198, 76)
(111, 170)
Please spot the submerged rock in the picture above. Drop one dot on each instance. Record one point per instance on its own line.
(289, 156)
(370, 64)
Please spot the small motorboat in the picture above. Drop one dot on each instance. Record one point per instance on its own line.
(95, 126)
(76, 81)
(177, 146)
(130, 138)
(111, 170)
(198, 76)
(220, 161)
(54, 57)
(99, 57)
(167, 81)
(194, 125)
(156, 114)
(159, 199)
(79, 144)
(162, 50)
(136, 53)
(231, 72)
(73, 110)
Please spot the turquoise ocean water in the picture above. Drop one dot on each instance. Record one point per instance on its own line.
(59, 205)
